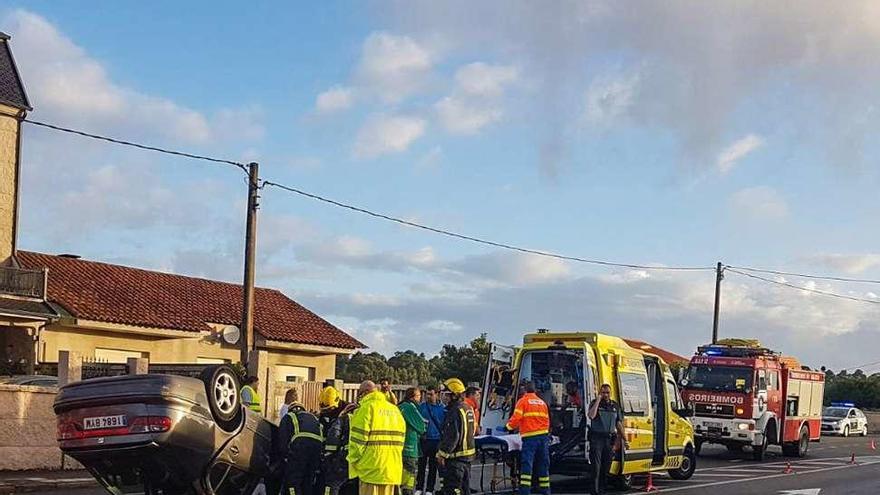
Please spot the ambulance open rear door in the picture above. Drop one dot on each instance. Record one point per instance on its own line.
(499, 388)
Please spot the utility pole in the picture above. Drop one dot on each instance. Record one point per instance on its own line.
(250, 244)
(719, 276)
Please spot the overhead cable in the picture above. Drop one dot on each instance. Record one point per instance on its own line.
(806, 275)
(479, 240)
(804, 289)
(122, 142)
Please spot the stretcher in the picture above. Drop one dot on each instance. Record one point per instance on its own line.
(502, 453)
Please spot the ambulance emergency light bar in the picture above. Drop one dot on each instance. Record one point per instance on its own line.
(843, 404)
(721, 350)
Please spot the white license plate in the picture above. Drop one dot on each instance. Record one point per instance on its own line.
(710, 424)
(101, 422)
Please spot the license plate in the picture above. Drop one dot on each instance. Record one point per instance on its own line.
(712, 424)
(101, 422)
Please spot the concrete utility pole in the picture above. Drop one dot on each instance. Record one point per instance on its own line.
(719, 276)
(250, 245)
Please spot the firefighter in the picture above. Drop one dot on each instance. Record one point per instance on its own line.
(335, 419)
(456, 449)
(531, 417)
(299, 445)
(249, 396)
(375, 443)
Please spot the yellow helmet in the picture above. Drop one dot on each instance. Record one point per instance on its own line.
(329, 398)
(454, 385)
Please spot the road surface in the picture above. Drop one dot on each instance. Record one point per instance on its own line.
(825, 471)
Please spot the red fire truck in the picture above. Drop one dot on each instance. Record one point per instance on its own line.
(745, 394)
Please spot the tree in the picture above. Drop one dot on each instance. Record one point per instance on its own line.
(467, 363)
(412, 368)
(361, 366)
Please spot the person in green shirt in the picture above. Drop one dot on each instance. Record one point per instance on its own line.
(415, 428)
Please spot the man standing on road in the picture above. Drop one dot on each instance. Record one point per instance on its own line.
(434, 413)
(606, 420)
(456, 449)
(472, 398)
(300, 444)
(531, 417)
(375, 444)
(415, 428)
(334, 418)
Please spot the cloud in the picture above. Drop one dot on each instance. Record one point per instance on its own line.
(610, 97)
(334, 99)
(761, 203)
(512, 268)
(392, 66)
(384, 134)
(67, 85)
(729, 157)
(852, 264)
(476, 99)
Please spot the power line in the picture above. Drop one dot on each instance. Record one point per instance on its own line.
(242, 166)
(805, 289)
(805, 275)
(479, 240)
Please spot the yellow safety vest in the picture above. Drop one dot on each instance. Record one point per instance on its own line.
(255, 403)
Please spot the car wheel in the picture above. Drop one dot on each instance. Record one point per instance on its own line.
(687, 468)
(758, 451)
(224, 396)
(865, 431)
(846, 431)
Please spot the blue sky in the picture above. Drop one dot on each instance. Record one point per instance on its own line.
(680, 134)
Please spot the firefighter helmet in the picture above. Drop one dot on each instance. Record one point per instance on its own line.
(454, 385)
(329, 398)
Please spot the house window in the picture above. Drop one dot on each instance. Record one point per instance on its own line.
(117, 355)
(284, 373)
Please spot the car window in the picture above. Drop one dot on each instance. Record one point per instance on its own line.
(852, 413)
(762, 380)
(672, 395)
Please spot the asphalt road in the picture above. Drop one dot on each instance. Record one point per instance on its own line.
(825, 471)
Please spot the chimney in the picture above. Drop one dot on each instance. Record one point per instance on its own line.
(13, 109)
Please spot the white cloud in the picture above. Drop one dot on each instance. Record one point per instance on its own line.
(758, 203)
(334, 99)
(848, 263)
(610, 97)
(384, 134)
(393, 66)
(475, 101)
(729, 157)
(512, 269)
(65, 84)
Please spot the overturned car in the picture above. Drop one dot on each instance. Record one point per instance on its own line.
(165, 435)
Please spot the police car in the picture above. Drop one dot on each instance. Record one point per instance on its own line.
(842, 418)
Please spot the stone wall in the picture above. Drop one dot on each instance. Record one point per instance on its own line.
(27, 429)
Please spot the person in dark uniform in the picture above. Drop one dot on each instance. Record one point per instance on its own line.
(334, 418)
(298, 448)
(456, 449)
(606, 421)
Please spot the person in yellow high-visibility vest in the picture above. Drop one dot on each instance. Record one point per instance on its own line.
(249, 395)
(375, 443)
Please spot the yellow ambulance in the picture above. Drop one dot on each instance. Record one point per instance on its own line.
(567, 369)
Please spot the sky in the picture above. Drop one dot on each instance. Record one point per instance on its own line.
(673, 133)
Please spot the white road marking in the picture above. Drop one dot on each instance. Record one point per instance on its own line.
(804, 491)
(721, 475)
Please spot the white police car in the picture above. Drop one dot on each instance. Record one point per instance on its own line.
(842, 418)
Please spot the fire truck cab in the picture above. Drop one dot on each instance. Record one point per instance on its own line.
(747, 395)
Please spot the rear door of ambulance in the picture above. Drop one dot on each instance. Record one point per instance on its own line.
(499, 389)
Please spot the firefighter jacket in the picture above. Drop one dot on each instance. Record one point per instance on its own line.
(375, 443)
(297, 425)
(531, 416)
(457, 437)
(415, 428)
(334, 467)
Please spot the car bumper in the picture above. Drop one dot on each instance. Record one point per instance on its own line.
(727, 431)
(832, 429)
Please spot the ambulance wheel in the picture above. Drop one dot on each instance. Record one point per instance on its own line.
(698, 446)
(622, 482)
(688, 466)
(224, 396)
(758, 451)
(846, 431)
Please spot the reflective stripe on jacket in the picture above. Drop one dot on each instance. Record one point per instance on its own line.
(305, 425)
(457, 437)
(531, 416)
(251, 399)
(375, 443)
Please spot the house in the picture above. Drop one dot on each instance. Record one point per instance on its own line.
(668, 356)
(106, 312)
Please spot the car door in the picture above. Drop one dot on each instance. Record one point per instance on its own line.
(635, 401)
(499, 388)
(853, 421)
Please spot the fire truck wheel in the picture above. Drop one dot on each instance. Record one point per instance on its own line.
(687, 468)
(799, 448)
(758, 451)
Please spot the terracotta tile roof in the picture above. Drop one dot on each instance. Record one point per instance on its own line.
(669, 357)
(132, 296)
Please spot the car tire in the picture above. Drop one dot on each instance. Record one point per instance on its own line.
(846, 431)
(758, 451)
(224, 396)
(688, 466)
(865, 431)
